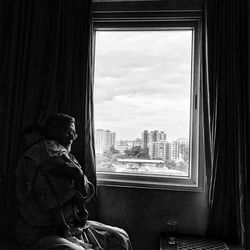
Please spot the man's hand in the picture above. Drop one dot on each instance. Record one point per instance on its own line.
(81, 243)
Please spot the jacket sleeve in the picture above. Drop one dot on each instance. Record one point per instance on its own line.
(89, 189)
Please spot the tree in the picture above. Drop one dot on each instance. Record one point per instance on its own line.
(137, 152)
(143, 154)
(171, 164)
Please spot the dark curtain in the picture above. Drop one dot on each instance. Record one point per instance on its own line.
(226, 102)
(46, 67)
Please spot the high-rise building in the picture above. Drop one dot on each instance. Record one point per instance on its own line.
(174, 150)
(168, 151)
(145, 138)
(152, 136)
(104, 139)
(162, 136)
(179, 149)
(153, 150)
(183, 148)
(158, 150)
(162, 149)
(155, 141)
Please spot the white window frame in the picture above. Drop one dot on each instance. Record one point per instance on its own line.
(112, 20)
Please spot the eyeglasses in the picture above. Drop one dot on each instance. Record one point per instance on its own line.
(70, 132)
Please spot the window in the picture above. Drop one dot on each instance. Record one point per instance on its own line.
(147, 103)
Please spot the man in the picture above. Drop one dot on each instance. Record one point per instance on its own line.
(52, 192)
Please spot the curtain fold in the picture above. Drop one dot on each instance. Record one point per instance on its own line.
(46, 68)
(226, 109)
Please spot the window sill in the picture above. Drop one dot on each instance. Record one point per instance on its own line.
(150, 182)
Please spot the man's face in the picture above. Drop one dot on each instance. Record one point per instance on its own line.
(68, 136)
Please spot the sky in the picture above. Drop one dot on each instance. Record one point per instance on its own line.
(142, 82)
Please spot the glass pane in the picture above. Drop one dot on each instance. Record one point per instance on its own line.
(142, 95)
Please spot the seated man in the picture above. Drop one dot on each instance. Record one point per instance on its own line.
(52, 192)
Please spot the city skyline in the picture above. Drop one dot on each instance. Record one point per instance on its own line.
(139, 136)
(151, 145)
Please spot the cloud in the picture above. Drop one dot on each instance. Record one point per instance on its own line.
(142, 81)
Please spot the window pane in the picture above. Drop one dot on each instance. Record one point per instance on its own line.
(142, 93)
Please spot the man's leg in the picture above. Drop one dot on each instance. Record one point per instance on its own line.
(107, 237)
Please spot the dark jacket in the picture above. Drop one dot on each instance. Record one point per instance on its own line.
(52, 192)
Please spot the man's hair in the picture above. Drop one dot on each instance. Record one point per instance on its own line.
(55, 124)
